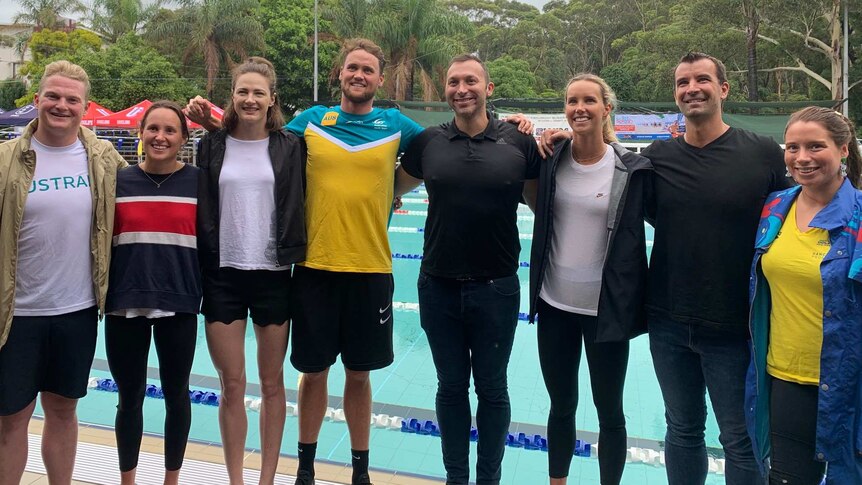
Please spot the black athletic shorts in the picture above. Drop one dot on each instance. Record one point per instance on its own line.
(341, 313)
(48, 353)
(232, 294)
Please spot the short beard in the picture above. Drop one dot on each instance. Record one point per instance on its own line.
(473, 112)
(358, 99)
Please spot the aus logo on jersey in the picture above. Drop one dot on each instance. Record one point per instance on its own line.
(330, 118)
(379, 124)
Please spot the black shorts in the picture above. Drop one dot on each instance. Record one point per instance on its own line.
(231, 294)
(341, 313)
(51, 354)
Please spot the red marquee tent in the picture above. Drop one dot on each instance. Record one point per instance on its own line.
(131, 117)
(128, 118)
(94, 110)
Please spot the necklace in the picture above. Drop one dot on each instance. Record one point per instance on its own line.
(159, 184)
(588, 160)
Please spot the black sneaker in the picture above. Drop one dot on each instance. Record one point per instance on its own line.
(362, 480)
(304, 477)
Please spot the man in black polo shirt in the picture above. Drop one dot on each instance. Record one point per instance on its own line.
(474, 168)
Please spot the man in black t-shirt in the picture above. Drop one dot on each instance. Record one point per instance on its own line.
(710, 185)
(475, 169)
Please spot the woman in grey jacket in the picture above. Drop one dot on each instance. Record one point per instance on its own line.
(588, 272)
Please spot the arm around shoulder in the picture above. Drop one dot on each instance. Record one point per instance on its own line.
(531, 191)
(411, 160)
(404, 182)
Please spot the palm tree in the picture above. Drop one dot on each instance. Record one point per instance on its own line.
(113, 18)
(215, 30)
(46, 14)
(417, 36)
(348, 17)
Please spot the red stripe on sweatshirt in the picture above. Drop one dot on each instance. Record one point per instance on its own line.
(171, 217)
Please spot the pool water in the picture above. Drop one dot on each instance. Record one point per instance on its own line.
(409, 385)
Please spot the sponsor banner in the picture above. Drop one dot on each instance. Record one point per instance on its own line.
(628, 127)
(542, 121)
(641, 127)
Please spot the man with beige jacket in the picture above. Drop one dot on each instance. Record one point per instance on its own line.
(57, 185)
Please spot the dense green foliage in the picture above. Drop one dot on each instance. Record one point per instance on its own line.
(774, 50)
(130, 71)
(9, 92)
(289, 34)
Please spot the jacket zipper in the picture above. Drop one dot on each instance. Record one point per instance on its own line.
(273, 161)
(618, 217)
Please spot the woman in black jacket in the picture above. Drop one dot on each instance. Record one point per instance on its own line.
(588, 272)
(251, 228)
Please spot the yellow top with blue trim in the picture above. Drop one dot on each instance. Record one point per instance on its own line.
(350, 182)
(792, 267)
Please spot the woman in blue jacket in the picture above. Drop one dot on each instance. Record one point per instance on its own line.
(803, 389)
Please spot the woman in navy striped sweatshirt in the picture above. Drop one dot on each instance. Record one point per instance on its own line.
(154, 287)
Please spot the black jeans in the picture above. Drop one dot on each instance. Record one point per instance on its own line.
(561, 335)
(792, 432)
(127, 343)
(471, 326)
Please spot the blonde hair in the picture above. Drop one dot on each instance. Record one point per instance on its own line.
(68, 70)
(258, 65)
(841, 131)
(608, 98)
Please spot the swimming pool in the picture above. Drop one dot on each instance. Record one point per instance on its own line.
(407, 388)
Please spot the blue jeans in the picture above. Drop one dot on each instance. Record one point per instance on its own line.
(470, 326)
(690, 359)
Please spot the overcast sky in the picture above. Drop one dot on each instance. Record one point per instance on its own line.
(8, 8)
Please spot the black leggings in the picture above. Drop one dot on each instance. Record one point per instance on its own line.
(127, 342)
(560, 336)
(792, 432)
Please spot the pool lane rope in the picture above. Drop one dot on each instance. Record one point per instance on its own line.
(428, 427)
(407, 212)
(420, 230)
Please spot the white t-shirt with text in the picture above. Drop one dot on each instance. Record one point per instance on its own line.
(54, 274)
